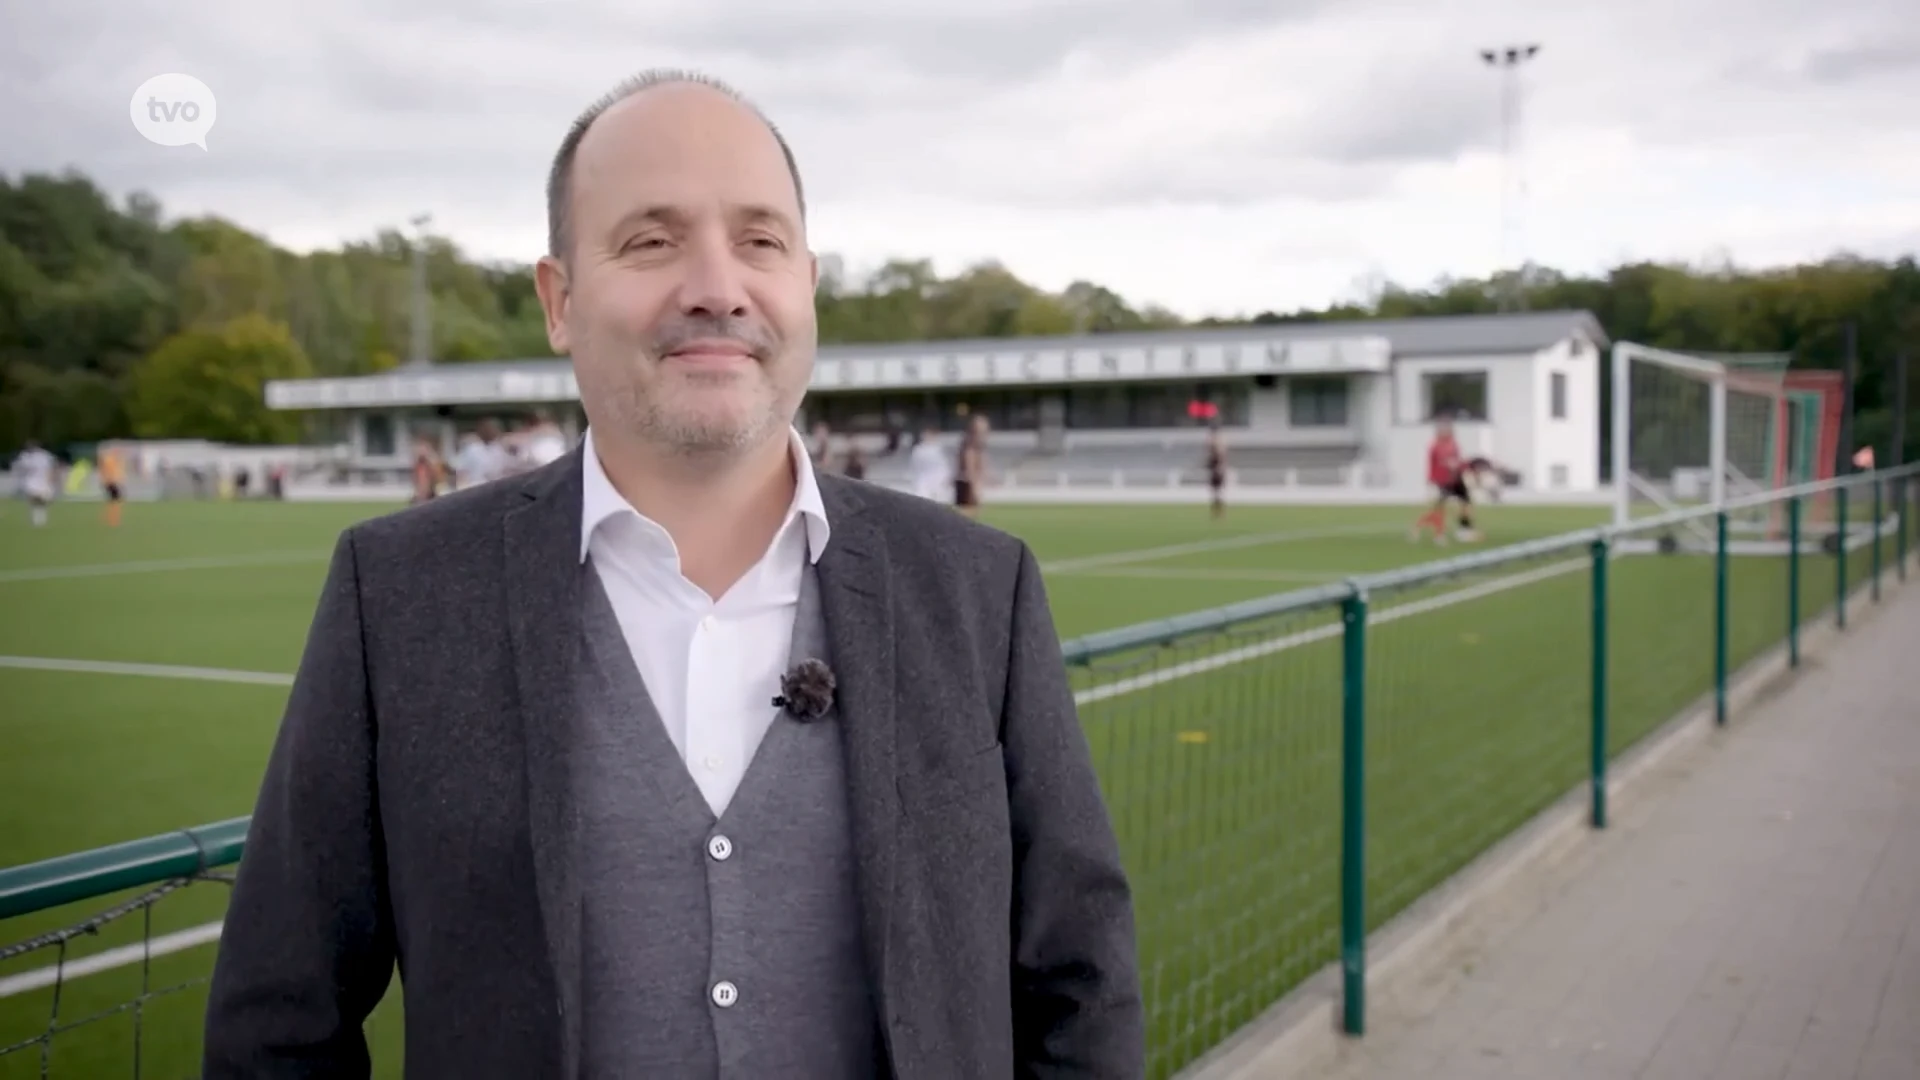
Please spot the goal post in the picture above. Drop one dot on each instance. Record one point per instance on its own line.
(1695, 430)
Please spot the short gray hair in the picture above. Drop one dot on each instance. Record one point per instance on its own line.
(560, 177)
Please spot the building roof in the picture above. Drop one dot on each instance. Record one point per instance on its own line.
(1524, 331)
(1191, 352)
(1435, 335)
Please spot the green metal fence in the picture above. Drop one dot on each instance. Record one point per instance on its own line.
(1285, 775)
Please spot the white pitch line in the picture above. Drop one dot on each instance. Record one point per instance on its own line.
(123, 956)
(154, 671)
(1188, 573)
(216, 562)
(200, 935)
(1322, 633)
(1224, 543)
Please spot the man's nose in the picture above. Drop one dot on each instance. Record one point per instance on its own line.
(713, 284)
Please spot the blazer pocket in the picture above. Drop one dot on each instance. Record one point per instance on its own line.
(935, 789)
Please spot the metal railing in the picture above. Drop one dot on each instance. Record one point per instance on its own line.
(1288, 774)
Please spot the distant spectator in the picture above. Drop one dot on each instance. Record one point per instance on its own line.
(543, 443)
(427, 470)
(927, 465)
(482, 457)
(822, 445)
(973, 466)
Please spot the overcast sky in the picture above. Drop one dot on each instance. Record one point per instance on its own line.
(1214, 156)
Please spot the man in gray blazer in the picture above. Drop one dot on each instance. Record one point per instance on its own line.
(671, 758)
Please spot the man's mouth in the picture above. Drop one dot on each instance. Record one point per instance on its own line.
(714, 352)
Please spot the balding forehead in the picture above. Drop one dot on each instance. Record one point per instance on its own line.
(657, 103)
(672, 110)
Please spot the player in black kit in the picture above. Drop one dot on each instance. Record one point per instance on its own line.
(1217, 471)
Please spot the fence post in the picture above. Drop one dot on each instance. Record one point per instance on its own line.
(1720, 619)
(1876, 537)
(1840, 557)
(1793, 582)
(1901, 496)
(1353, 808)
(1599, 696)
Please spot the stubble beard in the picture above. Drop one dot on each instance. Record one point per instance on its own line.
(702, 418)
(685, 421)
(709, 418)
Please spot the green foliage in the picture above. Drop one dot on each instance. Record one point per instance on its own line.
(210, 383)
(88, 289)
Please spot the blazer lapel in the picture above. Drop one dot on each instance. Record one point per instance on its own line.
(542, 571)
(856, 601)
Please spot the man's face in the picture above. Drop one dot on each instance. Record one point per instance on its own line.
(686, 300)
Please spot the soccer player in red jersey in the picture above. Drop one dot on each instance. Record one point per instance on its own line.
(1446, 472)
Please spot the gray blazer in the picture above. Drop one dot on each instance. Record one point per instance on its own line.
(415, 809)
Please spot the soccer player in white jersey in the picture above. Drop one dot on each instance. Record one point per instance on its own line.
(544, 443)
(482, 457)
(931, 472)
(35, 468)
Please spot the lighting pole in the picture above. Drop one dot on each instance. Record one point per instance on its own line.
(1508, 60)
(420, 355)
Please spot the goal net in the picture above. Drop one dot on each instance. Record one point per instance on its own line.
(1698, 430)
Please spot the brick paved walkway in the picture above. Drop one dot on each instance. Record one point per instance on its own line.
(1756, 917)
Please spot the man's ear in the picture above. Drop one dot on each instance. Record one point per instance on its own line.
(550, 281)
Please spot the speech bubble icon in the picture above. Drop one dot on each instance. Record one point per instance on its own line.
(173, 110)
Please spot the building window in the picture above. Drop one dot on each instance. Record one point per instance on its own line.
(378, 435)
(1317, 401)
(1458, 395)
(1097, 407)
(1157, 405)
(1557, 476)
(1557, 392)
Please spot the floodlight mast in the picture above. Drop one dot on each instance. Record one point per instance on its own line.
(420, 353)
(1508, 60)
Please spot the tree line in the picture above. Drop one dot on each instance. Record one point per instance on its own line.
(116, 321)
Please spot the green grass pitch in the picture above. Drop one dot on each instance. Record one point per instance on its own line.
(1220, 756)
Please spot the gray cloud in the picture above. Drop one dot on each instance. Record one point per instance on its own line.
(1864, 60)
(1403, 115)
(978, 42)
(1345, 135)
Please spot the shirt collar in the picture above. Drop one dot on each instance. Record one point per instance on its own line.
(600, 501)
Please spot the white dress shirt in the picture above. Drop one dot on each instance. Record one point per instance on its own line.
(711, 667)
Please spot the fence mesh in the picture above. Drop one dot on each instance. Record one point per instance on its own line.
(117, 987)
(1220, 760)
(1476, 715)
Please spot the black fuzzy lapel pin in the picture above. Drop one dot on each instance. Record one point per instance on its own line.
(806, 690)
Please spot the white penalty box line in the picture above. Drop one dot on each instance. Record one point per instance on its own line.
(152, 566)
(289, 558)
(1088, 563)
